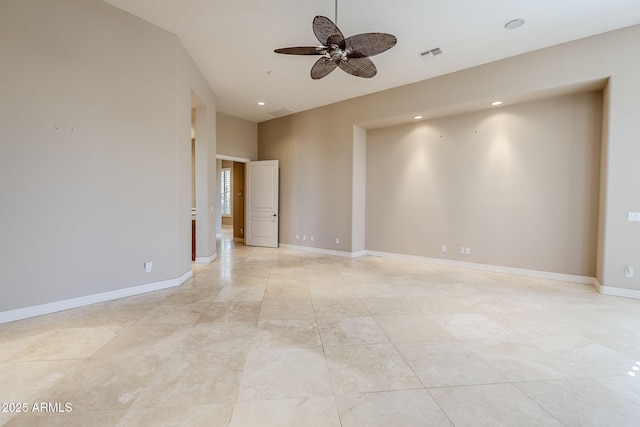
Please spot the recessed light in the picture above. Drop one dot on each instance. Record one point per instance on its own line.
(261, 103)
(516, 23)
(496, 103)
(417, 117)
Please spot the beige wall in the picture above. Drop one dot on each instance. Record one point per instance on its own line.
(518, 185)
(236, 137)
(317, 159)
(95, 153)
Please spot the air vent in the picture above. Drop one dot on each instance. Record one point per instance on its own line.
(431, 53)
(282, 112)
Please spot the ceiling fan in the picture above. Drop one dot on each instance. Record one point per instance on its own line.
(351, 54)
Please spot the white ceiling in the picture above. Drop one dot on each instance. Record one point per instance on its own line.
(232, 42)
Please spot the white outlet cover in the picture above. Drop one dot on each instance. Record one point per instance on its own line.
(634, 216)
(628, 272)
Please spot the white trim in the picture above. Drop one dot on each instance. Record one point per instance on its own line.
(494, 268)
(52, 307)
(322, 251)
(232, 159)
(206, 259)
(618, 292)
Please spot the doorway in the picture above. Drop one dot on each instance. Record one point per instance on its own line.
(232, 203)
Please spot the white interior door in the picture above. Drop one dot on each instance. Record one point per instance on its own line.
(261, 210)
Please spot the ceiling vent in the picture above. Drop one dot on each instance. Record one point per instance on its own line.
(282, 112)
(431, 53)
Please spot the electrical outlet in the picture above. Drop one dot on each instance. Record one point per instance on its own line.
(467, 251)
(304, 237)
(297, 237)
(628, 271)
(444, 248)
(312, 238)
(148, 266)
(337, 240)
(461, 250)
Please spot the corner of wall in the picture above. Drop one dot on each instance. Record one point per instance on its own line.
(359, 186)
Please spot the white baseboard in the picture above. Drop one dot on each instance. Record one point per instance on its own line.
(605, 290)
(618, 292)
(494, 268)
(206, 259)
(39, 310)
(322, 251)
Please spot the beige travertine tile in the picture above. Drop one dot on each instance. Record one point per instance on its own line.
(284, 373)
(209, 415)
(231, 312)
(390, 408)
(351, 331)
(366, 368)
(339, 307)
(106, 384)
(13, 342)
(583, 401)
(69, 343)
(280, 290)
(331, 290)
(491, 405)
(585, 355)
(72, 419)
(519, 360)
(392, 306)
(194, 379)
(448, 363)
(288, 334)
(241, 293)
(174, 314)
(317, 412)
(412, 328)
(148, 340)
(235, 337)
(474, 326)
(25, 381)
(286, 309)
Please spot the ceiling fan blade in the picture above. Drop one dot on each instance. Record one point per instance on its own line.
(369, 44)
(302, 50)
(327, 32)
(359, 67)
(322, 68)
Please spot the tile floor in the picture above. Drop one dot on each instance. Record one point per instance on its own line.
(265, 337)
